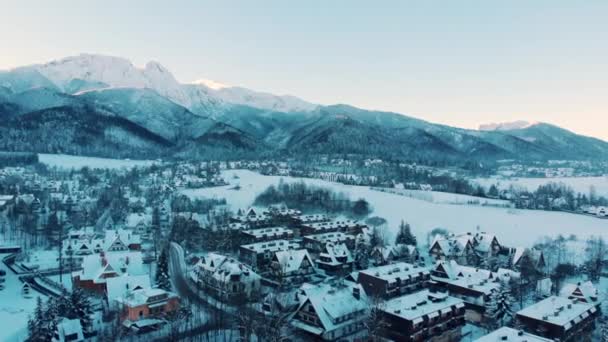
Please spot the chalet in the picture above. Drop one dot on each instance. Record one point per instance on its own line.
(259, 255)
(267, 234)
(459, 248)
(336, 259)
(423, 316)
(225, 278)
(139, 223)
(522, 256)
(122, 286)
(559, 318)
(147, 303)
(292, 267)
(399, 252)
(393, 280)
(316, 243)
(341, 225)
(331, 312)
(511, 335)
(473, 285)
(80, 243)
(97, 268)
(580, 292)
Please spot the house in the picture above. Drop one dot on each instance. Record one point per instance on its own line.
(225, 278)
(473, 285)
(316, 243)
(121, 286)
(423, 316)
(331, 312)
(292, 267)
(466, 248)
(511, 335)
(259, 255)
(69, 330)
(523, 256)
(559, 318)
(400, 252)
(340, 225)
(580, 292)
(459, 248)
(309, 219)
(267, 234)
(336, 259)
(147, 303)
(97, 268)
(393, 280)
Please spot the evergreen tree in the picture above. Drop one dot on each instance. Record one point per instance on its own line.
(162, 271)
(405, 236)
(499, 307)
(79, 307)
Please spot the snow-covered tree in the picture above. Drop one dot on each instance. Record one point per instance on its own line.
(499, 307)
(405, 236)
(162, 271)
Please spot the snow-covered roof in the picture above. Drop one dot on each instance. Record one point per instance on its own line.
(271, 246)
(95, 267)
(466, 276)
(330, 237)
(146, 296)
(582, 291)
(268, 232)
(66, 328)
(558, 311)
(511, 335)
(335, 254)
(222, 267)
(291, 260)
(121, 286)
(391, 272)
(333, 301)
(419, 304)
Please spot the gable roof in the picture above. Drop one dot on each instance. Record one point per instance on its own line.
(291, 260)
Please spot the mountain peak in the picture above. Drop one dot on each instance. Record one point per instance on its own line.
(210, 84)
(507, 126)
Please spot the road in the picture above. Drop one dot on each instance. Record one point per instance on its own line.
(216, 318)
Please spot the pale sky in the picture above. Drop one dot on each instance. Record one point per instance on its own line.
(460, 63)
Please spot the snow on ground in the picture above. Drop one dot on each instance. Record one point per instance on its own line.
(66, 280)
(446, 197)
(65, 161)
(514, 227)
(578, 184)
(14, 308)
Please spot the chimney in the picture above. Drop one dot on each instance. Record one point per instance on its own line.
(356, 292)
(104, 261)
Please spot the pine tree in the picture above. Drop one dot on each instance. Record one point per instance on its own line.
(79, 307)
(162, 271)
(405, 236)
(499, 308)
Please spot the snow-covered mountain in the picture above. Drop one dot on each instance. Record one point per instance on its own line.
(112, 105)
(506, 126)
(87, 72)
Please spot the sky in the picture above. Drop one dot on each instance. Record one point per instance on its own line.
(461, 63)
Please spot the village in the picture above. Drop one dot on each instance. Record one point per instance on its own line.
(103, 255)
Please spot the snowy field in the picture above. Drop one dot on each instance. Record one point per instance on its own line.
(446, 197)
(14, 308)
(65, 161)
(514, 227)
(578, 184)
